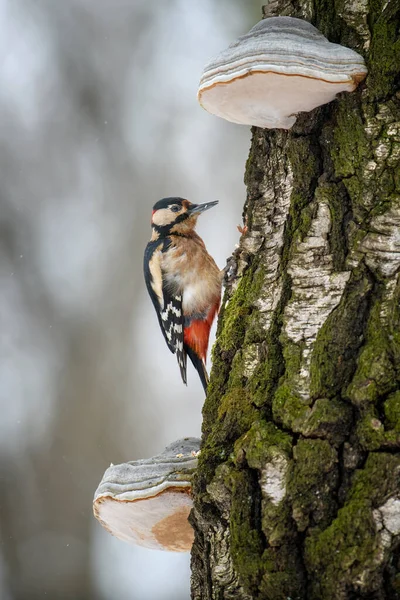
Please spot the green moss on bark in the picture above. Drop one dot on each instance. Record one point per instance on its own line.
(339, 339)
(349, 548)
(288, 407)
(228, 370)
(236, 413)
(334, 194)
(279, 566)
(351, 147)
(314, 477)
(246, 539)
(264, 381)
(235, 315)
(260, 443)
(328, 419)
(375, 375)
(370, 430)
(384, 55)
(392, 411)
(304, 158)
(282, 577)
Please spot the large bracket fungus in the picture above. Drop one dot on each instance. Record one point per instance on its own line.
(281, 67)
(147, 502)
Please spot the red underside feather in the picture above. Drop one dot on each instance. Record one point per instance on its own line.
(197, 334)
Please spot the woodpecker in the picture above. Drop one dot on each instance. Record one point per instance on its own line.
(183, 281)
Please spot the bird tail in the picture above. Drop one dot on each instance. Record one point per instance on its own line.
(200, 367)
(182, 360)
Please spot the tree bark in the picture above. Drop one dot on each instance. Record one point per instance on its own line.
(297, 493)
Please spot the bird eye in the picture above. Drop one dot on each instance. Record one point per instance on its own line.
(175, 208)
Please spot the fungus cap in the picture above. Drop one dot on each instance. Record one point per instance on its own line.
(147, 502)
(282, 66)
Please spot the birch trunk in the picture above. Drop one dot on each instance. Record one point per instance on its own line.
(297, 493)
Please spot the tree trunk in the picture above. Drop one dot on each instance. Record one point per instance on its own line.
(297, 493)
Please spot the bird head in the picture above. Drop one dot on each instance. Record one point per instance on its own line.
(177, 216)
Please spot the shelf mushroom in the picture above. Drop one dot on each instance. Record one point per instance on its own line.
(281, 67)
(147, 502)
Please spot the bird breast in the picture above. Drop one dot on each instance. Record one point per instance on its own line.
(190, 271)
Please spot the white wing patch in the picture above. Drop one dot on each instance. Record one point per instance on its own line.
(174, 328)
(172, 322)
(172, 309)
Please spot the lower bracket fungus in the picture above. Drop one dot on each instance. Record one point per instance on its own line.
(281, 67)
(148, 501)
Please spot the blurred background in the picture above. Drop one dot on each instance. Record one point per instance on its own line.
(99, 119)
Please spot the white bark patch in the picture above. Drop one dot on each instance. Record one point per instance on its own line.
(222, 569)
(355, 15)
(387, 301)
(387, 522)
(273, 480)
(252, 242)
(316, 291)
(382, 150)
(390, 513)
(271, 224)
(381, 245)
(267, 231)
(393, 133)
(251, 359)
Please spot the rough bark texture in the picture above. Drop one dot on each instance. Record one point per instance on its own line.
(297, 493)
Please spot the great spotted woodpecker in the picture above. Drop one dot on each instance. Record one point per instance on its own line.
(183, 281)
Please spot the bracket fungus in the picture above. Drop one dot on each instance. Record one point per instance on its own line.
(281, 67)
(148, 501)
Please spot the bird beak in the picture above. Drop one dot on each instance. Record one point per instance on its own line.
(195, 209)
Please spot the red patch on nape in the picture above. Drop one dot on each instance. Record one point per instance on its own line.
(196, 336)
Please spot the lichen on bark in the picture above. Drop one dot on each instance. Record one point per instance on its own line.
(297, 490)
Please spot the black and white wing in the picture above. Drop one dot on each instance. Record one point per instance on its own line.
(168, 306)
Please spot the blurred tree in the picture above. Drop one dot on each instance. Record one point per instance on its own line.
(297, 492)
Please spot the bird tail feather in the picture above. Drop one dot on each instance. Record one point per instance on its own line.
(200, 367)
